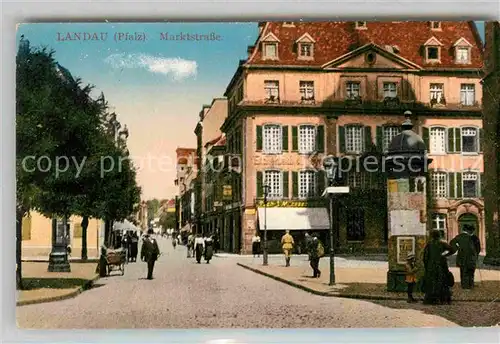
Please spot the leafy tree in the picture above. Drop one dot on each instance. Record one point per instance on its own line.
(167, 220)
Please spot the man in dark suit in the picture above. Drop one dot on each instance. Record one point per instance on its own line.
(468, 246)
(150, 252)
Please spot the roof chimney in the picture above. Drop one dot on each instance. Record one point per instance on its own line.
(250, 49)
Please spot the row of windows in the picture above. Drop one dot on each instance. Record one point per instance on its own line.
(466, 184)
(305, 184)
(27, 227)
(462, 48)
(306, 139)
(453, 140)
(390, 90)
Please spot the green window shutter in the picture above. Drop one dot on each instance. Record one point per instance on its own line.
(425, 137)
(295, 139)
(451, 140)
(320, 139)
(284, 130)
(320, 182)
(481, 139)
(341, 139)
(458, 140)
(286, 193)
(295, 184)
(368, 138)
(451, 185)
(459, 184)
(259, 137)
(380, 139)
(482, 185)
(260, 192)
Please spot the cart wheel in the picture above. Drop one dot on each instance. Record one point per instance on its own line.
(123, 269)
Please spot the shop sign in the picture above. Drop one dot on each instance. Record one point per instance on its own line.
(291, 204)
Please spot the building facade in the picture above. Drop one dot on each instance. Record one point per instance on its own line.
(208, 133)
(299, 97)
(491, 106)
(185, 180)
(37, 238)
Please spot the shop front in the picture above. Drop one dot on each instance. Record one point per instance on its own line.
(299, 217)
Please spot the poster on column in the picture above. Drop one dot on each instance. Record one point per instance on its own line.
(406, 222)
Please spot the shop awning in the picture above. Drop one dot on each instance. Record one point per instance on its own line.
(294, 218)
(125, 225)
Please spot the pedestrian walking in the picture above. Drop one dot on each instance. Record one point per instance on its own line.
(468, 246)
(208, 251)
(174, 242)
(256, 245)
(150, 252)
(134, 246)
(287, 244)
(216, 240)
(307, 242)
(437, 277)
(190, 245)
(411, 276)
(199, 247)
(316, 251)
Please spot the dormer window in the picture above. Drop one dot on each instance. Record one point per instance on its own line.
(270, 47)
(288, 24)
(433, 50)
(305, 47)
(361, 25)
(462, 51)
(435, 25)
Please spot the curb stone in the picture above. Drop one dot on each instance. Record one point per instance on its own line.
(346, 296)
(87, 285)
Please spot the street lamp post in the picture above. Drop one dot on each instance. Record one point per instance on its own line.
(331, 167)
(266, 192)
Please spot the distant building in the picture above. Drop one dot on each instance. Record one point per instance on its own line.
(185, 180)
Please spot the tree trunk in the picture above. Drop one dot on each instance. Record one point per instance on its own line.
(85, 224)
(107, 232)
(19, 238)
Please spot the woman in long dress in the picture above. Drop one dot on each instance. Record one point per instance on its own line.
(199, 247)
(208, 248)
(437, 275)
(256, 245)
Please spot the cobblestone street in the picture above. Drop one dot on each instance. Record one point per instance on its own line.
(218, 295)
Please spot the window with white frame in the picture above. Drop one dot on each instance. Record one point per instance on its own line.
(307, 139)
(306, 90)
(470, 140)
(390, 90)
(273, 179)
(360, 25)
(272, 139)
(470, 184)
(436, 92)
(435, 25)
(307, 184)
(389, 133)
(354, 139)
(462, 55)
(271, 88)
(437, 140)
(439, 224)
(271, 50)
(439, 185)
(352, 89)
(467, 94)
(305, 50)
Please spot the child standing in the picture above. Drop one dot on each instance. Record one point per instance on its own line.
(411, 278)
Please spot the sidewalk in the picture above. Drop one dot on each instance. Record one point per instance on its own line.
(370, 282)
(43, 286)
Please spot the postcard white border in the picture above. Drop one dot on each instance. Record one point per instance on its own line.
(141, 11)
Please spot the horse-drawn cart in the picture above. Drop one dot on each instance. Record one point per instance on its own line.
(115, 260)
